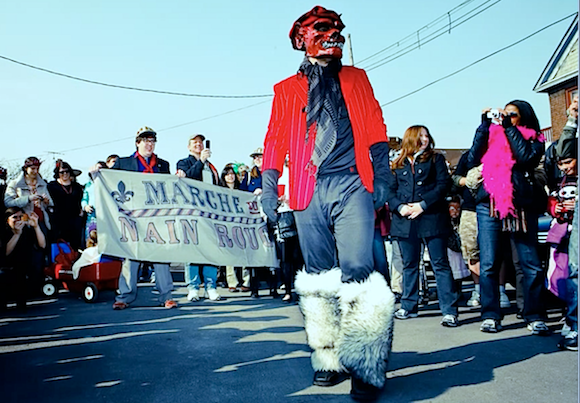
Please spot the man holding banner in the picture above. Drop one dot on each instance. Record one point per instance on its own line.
(146, 161)
(197, 166)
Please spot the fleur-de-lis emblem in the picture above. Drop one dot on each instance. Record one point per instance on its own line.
(122, 195)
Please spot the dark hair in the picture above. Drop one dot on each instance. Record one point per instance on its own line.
(528, 117)
(228, 168)
(110, 157)
(10, 211)
(30, 162)
(60, 164)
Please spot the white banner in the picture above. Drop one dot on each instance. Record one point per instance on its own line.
(163, 218)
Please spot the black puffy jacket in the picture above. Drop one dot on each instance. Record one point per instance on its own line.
(526, 153)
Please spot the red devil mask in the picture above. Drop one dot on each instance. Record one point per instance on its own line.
(318, 33)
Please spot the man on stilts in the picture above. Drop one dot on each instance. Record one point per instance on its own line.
(329, 124)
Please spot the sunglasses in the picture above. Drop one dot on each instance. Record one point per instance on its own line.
(64, 172)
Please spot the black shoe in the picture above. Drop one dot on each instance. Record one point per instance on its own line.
(329, 378)
(363, 392)
(255, 295)
(569, 343)
(274, 294)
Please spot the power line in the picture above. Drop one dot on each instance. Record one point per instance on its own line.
(479, 60)
(419, 36)
(430, 37)
(123, 87)
(397, 43)
(161, 130)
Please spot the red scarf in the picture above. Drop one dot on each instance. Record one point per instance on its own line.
(148, 166)
(498, 163)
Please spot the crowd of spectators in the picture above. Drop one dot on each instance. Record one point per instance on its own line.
(477, 224)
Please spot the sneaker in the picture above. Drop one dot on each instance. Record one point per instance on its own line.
(570, 342)
(119, 306)
(404, 314)
(565, 330)
(490, 326)
(170, 304)
(449, 321)
(474, 300)
(504, 301)
(192, 295)
(538, 327)
(213, 295)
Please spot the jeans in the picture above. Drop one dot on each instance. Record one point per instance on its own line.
(129, 276)
(491, 240)
(572, 282)
(446, 290)
(380, 255)
(396, 267)
(193, 279)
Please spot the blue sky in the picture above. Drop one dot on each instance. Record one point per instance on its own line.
(242, 48)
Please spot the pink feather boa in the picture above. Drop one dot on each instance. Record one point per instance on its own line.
(498, 163)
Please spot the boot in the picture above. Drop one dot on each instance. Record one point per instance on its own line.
(366, 339)
(319, 306)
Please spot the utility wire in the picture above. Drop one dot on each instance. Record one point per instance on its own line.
(161, 130)
(123, 87)
(416, 34)
(429, 38)
(479, 60)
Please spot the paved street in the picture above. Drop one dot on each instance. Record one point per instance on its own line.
(244, 350)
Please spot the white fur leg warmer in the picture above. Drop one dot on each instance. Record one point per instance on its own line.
(319, 305)
(367, 310)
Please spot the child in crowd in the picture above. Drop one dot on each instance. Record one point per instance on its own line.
(561, 205)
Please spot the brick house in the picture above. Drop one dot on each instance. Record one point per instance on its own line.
(560, 80)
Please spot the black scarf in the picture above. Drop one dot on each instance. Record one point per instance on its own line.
(321, 114)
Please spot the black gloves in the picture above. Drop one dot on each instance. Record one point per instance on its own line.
(269, 198)
(506, 122)
(380, 193)
(270, 207)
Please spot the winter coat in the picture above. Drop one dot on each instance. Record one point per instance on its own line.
(527, 155)
(17, 192)
(423, 181)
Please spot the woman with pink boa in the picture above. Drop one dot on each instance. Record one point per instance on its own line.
(509, 148)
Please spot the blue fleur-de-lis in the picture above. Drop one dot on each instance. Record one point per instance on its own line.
(122, 195)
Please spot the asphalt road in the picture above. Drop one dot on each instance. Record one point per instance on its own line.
(243, 350)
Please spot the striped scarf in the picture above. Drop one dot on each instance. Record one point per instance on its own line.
(321, 114)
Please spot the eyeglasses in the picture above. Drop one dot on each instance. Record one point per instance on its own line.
(64, 172)
(150, 140)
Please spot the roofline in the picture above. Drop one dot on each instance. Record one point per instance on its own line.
(541, 85)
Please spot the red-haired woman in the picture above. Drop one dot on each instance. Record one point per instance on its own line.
(420, 214)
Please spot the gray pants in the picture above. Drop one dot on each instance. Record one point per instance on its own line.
(337, 228)
(130, 274)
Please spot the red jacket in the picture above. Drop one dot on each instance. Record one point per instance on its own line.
(287, 129)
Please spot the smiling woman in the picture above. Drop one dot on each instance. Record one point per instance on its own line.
(67, 217)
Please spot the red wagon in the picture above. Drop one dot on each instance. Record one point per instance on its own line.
(91, 279)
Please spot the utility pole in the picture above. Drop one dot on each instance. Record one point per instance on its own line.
(351, 56)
